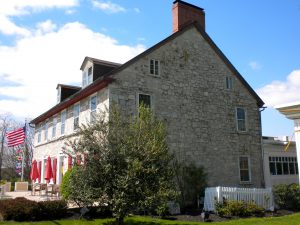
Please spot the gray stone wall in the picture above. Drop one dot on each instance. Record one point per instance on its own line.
(190, 95)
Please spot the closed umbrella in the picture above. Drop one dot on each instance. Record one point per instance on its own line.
(40, 170)
(48, 174)
(69, 162)
(54, 170)
(34, 173)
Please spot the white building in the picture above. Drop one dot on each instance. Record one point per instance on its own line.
(280, 167)
(292, 111)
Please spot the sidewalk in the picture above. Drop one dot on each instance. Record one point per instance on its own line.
(28, 195)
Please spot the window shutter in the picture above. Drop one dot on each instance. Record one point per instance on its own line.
(69, 162)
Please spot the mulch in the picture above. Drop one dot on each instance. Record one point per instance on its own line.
(196, 216)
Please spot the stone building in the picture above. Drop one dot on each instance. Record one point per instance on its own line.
(211, 112)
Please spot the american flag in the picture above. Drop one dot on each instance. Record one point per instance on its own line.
(15, 137)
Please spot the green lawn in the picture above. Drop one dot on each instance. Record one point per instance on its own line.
(284, 220)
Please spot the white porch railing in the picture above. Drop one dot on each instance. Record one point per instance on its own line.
(261, 197)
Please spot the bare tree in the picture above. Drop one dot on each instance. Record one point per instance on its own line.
(8, 156)
(5, 123)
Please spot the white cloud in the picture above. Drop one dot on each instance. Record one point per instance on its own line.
(137, 10)
(7, 27)
(108, 6)
(281, 92)
(40, 61)
(46, 26)
(21, 7)
(254, 65)
(11, 8)
(70, 11)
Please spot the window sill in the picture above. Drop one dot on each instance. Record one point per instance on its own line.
(156, 76)
(246, 183)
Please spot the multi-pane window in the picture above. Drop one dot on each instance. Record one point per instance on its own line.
(241, 119)
(93, 107)
(154, 67)
(145, 100)
(229, 83)
(76, 111)
(39, 134)
(46, 131)
(54, 127)
(90, 75)
(283, 165)
(63, 122)
(244, 169)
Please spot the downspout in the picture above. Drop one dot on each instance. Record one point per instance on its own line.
(263, 183)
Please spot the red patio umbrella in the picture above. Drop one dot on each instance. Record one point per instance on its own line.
(34, 173)
(40, 170)
(48, 173)
(54, 170)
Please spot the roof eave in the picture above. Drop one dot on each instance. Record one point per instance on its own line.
(96, 86)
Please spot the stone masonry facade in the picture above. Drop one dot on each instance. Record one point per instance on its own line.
(190, 96)
(195, 91)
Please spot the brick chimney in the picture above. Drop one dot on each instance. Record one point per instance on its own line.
(184, 13)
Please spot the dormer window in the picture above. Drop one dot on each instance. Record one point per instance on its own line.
(90, 75)
(84, 77)
(87, 77)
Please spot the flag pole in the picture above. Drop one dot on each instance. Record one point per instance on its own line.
(22, 173)
(23, 153)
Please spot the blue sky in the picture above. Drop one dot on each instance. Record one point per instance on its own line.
(43, 43)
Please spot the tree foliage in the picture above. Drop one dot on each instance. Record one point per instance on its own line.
(128, 164)
(191, 180)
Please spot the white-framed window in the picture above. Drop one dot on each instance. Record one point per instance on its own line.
(241, 120)
(93, 107)
(245, 173)
(283, 165)
(39, 135)
(154, 67)
(145, 100)
(63, 122)
(54, 127)
(90, 75)
(229, 83)
(46, 131)
(76, 112)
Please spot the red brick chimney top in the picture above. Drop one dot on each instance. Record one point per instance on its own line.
(185, 13)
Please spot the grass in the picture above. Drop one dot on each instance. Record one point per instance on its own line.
(293, 219)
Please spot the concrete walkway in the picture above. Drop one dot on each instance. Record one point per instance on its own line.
(28, 195)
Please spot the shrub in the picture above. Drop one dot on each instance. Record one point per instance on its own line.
(18, 209)
(65, 188)
(22, 209)
(287, 196)
(52, 209)
(238, 208)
